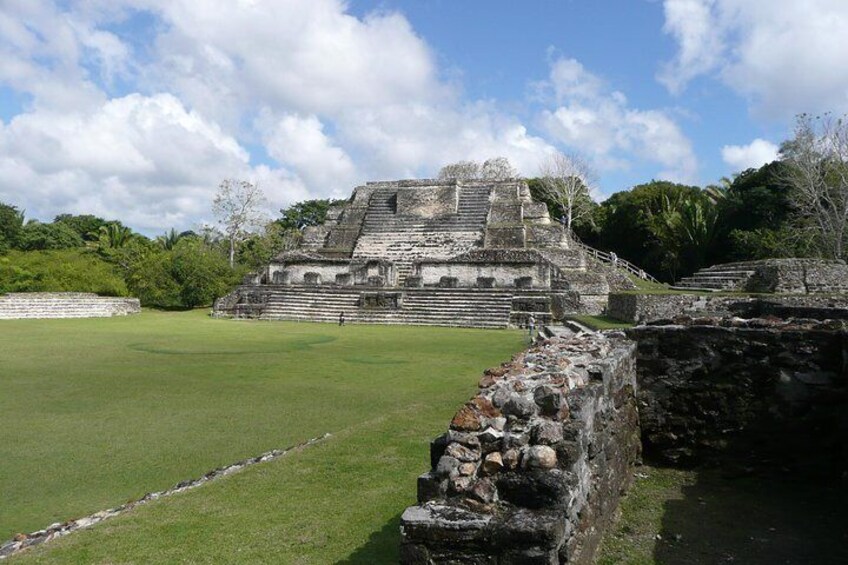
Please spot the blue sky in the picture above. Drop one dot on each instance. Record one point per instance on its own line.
(137, 109)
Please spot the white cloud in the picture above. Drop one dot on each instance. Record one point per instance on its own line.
(786, 56)
(414, 140)
(146, 160)
(754, 155)
(701, 42)
(308, 56)
(301, 142)
(601, 124)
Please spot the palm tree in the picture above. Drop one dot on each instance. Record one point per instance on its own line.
(114, 236)
(169, 240)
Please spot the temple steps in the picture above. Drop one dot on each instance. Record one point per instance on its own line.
(481, 308)
(403, 239)
(716, 278)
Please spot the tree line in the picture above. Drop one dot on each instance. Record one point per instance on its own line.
(174, 270)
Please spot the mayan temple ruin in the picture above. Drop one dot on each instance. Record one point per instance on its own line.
(433, 252)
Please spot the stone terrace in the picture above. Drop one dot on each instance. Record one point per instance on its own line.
(64, 305)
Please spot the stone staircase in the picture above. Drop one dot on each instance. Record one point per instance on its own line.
(480, 308)
(407, 238)
(730, 276)
(64, 305)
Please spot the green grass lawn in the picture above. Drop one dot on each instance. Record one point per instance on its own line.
(97, 412)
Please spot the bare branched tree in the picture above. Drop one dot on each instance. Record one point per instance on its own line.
(496, 168)
(461, 170)
(817, 172)
(238, 208)
(566, 180)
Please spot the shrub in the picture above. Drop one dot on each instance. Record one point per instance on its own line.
(67, 270)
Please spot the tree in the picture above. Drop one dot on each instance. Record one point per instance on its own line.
(238, 208)
(817, 171)
(200, 272)
(565, 180)
(626, 226)
(170, 239)
(86, 225)
(461, 170)
(307, 213)
(495, 168)
(686, 226)
(257, 250)
(114, 235)
(37, 236)
(11, 225)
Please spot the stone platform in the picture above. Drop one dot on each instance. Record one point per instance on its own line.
(15, 306)
(795, 276)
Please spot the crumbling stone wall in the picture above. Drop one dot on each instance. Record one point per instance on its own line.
(799, 276)
(531, 468)
(640, 308)
(760, 391)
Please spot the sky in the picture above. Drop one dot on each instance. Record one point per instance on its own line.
(136, 110)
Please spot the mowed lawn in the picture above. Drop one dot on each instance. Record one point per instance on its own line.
(97, 412)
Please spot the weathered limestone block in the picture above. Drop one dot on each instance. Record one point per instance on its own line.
(533, 466)
(507, 237)
(541, 236)
(428, 201)
(505, 213)
(506, 193)
(314, 237)
(536, 212)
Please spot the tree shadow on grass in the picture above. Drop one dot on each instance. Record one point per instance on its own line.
(757, 519)
(383, 546)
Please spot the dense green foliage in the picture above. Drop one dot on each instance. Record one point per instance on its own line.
(85, 253)
(306, 213)
(86, 225)
(671, 230)
(11, 223)
(64, 270)
(97, 412)
(36, 236)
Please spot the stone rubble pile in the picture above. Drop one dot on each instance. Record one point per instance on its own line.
(532, 467)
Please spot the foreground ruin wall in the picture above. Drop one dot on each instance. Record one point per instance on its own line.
(64, 305)
(532, 468)
(763, 392)
(638, 308)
